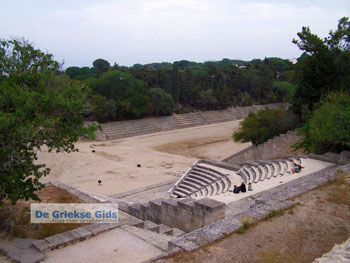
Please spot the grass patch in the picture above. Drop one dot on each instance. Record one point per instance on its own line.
(274, 213)
(247, 222)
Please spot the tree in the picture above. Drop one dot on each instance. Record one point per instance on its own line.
(37, 109)
(162, 102)
(128, 92)
(328, 129)
(100, 66)
(265, 124)
(325, 69)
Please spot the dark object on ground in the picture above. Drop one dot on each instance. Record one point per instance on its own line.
(243, 188)
(99, 182)
(93, 151)
(138, 165)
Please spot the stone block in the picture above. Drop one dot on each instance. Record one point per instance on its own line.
(184, 217)
(144, 211)
(28, 255)
(41, 245)
(53, 241)
(182, 243)
(177, 232)
(66, 237)
(134, 210)
(163, 229)
(169, 212)
(22, 242)
(207, 211)
(136, 222)
(80, 233)
(155, 209)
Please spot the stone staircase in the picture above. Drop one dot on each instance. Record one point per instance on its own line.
(122, 129)
(208, 178)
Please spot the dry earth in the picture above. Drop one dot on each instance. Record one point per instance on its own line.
(300, 234)
(163, 156)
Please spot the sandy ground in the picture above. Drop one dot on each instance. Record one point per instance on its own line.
(115, 162)
(116, 245)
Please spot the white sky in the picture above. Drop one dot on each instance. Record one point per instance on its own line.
(145, 31)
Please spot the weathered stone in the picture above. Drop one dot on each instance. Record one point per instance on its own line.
(80, 233)
(28, 255)
(41, 245)
(66, 237)
(22, 242)
(54, 241)
(182, 243)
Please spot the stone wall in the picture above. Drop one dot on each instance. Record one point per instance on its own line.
(276, 148)
(338, 158)
(122, 129)
(185, 214)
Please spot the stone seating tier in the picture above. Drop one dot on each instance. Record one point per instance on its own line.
(205, 179)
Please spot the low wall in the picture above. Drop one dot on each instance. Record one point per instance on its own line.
(276, 148)
(338, 158)
(185, 214)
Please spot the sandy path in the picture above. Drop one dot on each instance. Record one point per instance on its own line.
(115, 162)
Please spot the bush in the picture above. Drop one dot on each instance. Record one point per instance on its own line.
(265, 124)
(162, 102)
(328, 129)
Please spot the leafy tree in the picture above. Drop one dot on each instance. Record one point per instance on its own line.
(98, 105)
(325, 69)
(265, 124)
(128, 92)
(100, 66)
(37, 109)
(285, 91)
(111, 110)
(328, 129)
(162, 102)
(79, 73)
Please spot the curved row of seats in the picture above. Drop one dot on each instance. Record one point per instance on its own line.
(202, 180)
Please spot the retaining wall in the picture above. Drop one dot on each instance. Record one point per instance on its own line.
(122, 129)
(276, 148)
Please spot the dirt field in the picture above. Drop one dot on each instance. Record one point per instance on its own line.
(300, 234)
(163, 156)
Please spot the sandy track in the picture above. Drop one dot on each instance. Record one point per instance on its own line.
(163, 156)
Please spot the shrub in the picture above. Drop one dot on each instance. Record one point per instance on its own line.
(328, 129)
(265, 124)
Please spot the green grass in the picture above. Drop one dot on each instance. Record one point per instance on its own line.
(274, 213)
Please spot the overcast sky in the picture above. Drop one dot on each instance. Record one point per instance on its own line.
(145, 31)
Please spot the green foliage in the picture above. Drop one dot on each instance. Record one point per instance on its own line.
(328, 128)
(265, 124)
(162, 102)
(37, 108)
(100, 66)
(79, 73)
(325, 69)
(98, 106)
(285, 91)
(129, 93)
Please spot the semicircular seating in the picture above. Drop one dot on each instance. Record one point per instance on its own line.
(208, 178)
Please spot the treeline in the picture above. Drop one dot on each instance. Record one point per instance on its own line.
(121, 92)
(321, 103)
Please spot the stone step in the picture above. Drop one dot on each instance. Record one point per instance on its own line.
(158, 240)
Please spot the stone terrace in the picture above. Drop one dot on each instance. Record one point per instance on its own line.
(122, 129)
